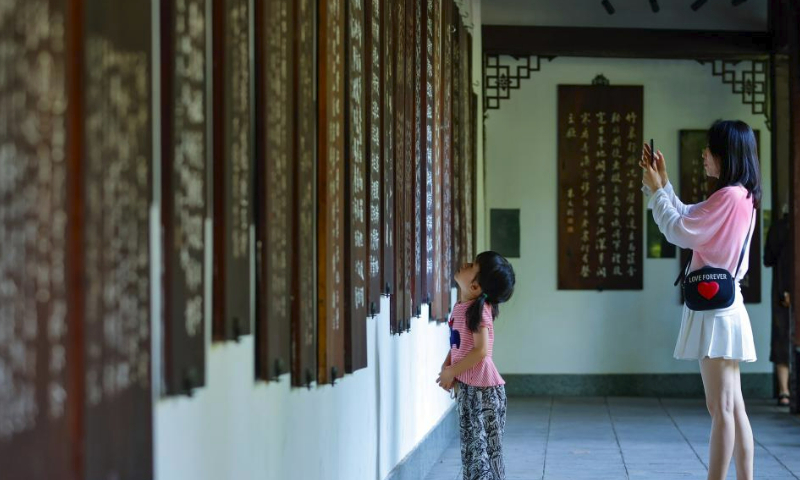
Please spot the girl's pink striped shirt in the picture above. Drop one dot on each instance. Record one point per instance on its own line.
(484, 373)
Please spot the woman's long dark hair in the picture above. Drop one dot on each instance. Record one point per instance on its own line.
(734, 144)
(496, 279)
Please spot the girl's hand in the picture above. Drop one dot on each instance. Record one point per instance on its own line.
(446, 378)
(661, 163)
(650, 175)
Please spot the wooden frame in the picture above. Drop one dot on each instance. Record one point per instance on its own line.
(355, 296)
(330, 192)
(233, 154)
(387, 127)
(373, 56)
(274, 74)
(304, 280)
(399, 300)
(116, 260)
(183, 192)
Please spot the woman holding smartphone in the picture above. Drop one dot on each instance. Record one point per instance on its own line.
(718, 231)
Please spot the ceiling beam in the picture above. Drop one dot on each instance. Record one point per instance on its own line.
(624, 42)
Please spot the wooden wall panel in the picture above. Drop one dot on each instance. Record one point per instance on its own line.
(399, 300)
(304, 279)
(447, 153)
(388, 128)
(38, 344)
(427, 135)
(374, 73)
(117, 194)
(233, 168)
(356, 192)
(183, 191)
(274, 67)
(330, 191)
(437, 312)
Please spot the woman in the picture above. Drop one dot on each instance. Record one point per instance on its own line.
(777, 255)
(716, 230)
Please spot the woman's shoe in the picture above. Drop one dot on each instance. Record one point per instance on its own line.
(783, 400)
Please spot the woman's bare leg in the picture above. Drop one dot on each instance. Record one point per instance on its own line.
(743, 446)
(719, 381)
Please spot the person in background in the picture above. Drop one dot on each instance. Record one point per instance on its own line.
(777, 255)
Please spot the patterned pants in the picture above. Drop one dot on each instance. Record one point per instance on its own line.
(482, 420)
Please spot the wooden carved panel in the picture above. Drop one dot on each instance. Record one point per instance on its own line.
(372, 56)
(183, 190)
(274, 180)
(426, 134)
(600, 198)
(233, 172)
(117, 194)
(399, 299)
(413, 172)
(356, 193)
(304, 299)
(331, 191)
(456, 79)
(38, 398)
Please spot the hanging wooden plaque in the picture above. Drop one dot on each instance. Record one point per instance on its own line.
(183, 191)
(274, 67)
(117, 148)
(427, 146)
(304, 277)
(331, 191)
(388, 128)
(399, 300)
(447, 154)
(437, 312)
(372, 55)
(233, 172)
(600, 198)
(37, 235)
(356, 192)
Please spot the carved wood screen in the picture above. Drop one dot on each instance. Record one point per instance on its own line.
(330, 191)
(183, 190)
(274, 75)
(117, 149)
(304, 278)
(233, 168)
(355, 271)
(696, 187)
(599, 199)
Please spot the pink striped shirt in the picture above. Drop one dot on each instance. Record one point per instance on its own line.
(715, 229)
(484, 373)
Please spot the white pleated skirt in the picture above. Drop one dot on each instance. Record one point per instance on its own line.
(723, 333)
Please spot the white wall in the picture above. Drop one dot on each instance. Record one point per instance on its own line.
(543, 330)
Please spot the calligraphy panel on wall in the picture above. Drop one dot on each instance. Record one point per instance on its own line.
(388, 128)
(116, 245)
(183, 191)
(448, 11)
(408, 164)
(696, 187)
(233, 175)
(356, 193)
(599, 199)
(372, 56)
(470, 166)
(330, 191)
(304, 279)
(426, 133)
(437, 313)
(274, 74)
(38, 348)
(399, 300)
(418, 225)
(457, 153)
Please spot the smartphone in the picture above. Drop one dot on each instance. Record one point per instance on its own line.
(652, 154)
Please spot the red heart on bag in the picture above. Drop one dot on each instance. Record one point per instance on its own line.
(708, 289)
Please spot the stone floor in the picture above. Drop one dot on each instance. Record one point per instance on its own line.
(628, 438)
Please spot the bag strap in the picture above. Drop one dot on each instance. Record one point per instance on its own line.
(746, 241)
(685, 269)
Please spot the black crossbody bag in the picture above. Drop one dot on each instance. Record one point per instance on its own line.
(711, 288)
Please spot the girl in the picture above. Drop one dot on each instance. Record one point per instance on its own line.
(480, 395)
(716, 231)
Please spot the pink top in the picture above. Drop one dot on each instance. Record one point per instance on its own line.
(715, 229)
(484, 374)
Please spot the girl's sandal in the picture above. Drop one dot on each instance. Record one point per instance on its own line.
(783, 400)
